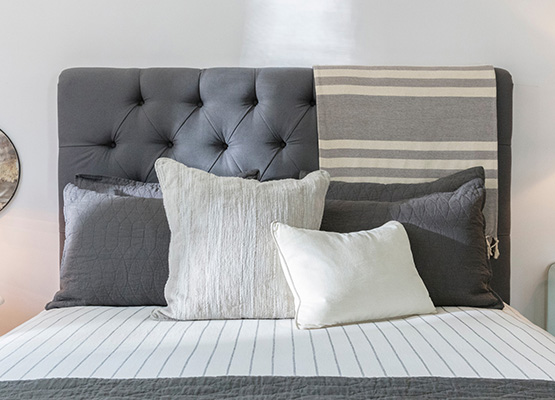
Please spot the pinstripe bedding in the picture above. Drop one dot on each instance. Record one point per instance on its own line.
(110, 342)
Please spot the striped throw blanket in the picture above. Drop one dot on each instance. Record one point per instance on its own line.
(409, 125)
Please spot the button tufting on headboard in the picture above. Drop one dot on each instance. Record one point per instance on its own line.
(248, 113)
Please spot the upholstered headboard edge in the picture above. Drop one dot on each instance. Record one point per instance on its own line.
(502, 266)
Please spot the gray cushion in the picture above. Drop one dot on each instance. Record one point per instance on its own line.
(446, 232)
(116, 251)
(400, 191)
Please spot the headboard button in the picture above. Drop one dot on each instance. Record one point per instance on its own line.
(312, 103)
(141, 102)
(199, 104)
(282, 144)
(113, 144)
(224, 146)
(170, 144)
(255, 102)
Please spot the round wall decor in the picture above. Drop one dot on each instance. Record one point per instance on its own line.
(9, 170)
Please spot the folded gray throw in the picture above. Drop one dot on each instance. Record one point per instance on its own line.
(278, 388)
(409, 125)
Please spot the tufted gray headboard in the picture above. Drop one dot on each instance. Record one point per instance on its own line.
(117, 122)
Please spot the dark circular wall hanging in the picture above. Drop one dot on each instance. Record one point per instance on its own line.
(9, 170)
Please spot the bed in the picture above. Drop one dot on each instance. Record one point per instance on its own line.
(117, 123)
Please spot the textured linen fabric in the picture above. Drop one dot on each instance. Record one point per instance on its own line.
(116, 251)
(342, 278)
(409, 124)
(223, 263)
(446, 233)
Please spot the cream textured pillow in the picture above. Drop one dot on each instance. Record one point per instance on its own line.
(341, 278)
(223, 263)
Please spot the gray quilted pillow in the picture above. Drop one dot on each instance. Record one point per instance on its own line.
(400, 191)
(116, 250)
(446, 232)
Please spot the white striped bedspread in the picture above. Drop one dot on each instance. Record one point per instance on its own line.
(110, 342)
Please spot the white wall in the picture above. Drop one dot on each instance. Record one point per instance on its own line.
(38, 39)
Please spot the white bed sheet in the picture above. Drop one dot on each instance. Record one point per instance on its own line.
(109, 342)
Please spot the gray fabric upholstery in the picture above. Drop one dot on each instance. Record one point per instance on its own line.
(117, 122)
(501, 281)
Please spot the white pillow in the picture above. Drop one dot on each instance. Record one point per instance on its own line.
(341, 278)
(223, 263)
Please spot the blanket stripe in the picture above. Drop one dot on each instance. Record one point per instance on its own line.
(408, 125)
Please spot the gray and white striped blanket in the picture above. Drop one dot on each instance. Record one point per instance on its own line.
(408, 125)
(124, 342)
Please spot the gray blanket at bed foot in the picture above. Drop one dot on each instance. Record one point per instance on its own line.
(269, 387)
